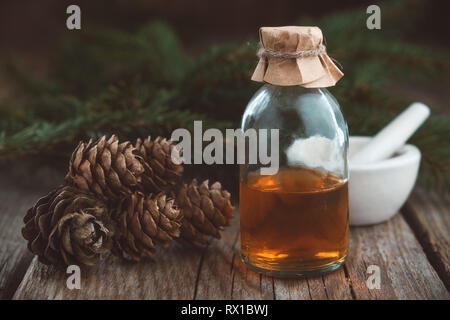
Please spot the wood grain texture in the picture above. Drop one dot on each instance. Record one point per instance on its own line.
(18, 192)
(216, 275)
(405, 271)
(171, 276)
(216, 272)
(413, 258)
(428, 214)
(333, 286)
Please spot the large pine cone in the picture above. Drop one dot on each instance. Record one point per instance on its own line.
(158, 155)
(65, 227)
(206, 210)
(143, 222)
(106, 168)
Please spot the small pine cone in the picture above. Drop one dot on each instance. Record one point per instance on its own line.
(158, 155)
(143, 222)
(206, 210)
(106, 168)
(65, 227)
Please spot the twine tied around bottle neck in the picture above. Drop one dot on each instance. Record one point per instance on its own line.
(269, 53)
(294, 55)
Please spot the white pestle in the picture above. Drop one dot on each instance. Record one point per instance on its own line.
(393, 136)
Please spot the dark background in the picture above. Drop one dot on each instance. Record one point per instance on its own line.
(34, 26)
(32, 31)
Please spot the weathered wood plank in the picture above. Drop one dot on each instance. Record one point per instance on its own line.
(13, 253)
(248, 285)
(404, 269)
(18, 191)
(171, 276)
(224, 276)
(337, 286)
(332, 286)
(289, 289)
(372, 245)
(428, 215)
(216, 272)
(14, 261)
(180, 272)
(216, 275)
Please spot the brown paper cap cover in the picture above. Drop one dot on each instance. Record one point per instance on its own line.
(310, 72)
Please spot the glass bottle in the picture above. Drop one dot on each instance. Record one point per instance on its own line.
(295, 222)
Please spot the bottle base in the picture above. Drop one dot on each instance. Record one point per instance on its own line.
(300, 272)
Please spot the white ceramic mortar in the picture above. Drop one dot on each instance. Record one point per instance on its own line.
(378, 190)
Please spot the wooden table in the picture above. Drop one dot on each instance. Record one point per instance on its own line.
(412, 251)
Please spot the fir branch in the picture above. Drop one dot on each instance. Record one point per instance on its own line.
(135, 84)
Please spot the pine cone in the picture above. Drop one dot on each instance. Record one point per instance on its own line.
(143, 222)
(65, 227)
(158, 155)
(107, 169)
(206, 210)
